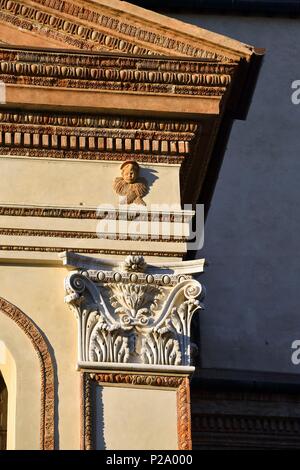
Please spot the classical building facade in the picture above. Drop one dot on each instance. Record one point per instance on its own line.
(114, 121)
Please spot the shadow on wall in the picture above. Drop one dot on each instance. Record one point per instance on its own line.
(98, 416)
(150, 176)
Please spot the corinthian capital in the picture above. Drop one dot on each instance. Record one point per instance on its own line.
(128, 316)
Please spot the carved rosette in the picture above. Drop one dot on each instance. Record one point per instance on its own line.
(133, 317)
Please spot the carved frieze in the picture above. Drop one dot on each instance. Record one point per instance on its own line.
(131, 124)
(130, 315)
(94, 137)
(153, 75)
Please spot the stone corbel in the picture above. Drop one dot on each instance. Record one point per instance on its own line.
(132, 315)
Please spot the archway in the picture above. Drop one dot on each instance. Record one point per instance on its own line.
(47, 383)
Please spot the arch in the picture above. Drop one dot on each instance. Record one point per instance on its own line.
(47, 427)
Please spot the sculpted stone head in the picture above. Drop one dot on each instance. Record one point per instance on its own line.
(130, 171)
(130, 186)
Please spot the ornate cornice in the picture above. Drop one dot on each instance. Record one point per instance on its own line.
(94, 137)
(116, 26)
(46, 370)
(114, 73)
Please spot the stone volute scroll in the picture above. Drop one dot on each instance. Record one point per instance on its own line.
(130, 186)
(133, 314)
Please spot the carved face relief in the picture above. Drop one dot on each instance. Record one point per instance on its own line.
(130, 185)
(130, 172)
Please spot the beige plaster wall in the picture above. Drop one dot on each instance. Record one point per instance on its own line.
(39, 292)
(136, 418)
(78, 183)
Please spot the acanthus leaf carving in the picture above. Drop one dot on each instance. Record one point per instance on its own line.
(134, 303)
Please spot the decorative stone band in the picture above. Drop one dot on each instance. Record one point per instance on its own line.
(178, 382)
(94, 137)
(89, 235)
(128, 317)
(91, 251)
(115, 73)
(136, 277)
(93, 213)
(99, 124)
(49, 150)
(129, 378)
